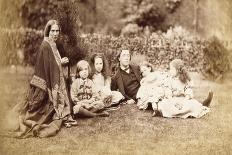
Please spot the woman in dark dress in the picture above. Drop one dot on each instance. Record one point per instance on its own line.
(47, 105)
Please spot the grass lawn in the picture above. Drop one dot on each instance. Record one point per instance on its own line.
(128, 130)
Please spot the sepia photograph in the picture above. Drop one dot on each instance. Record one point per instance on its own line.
(115, 77)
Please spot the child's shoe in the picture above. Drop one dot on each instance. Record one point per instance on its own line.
(104, 114)
(208, 100)
(157, 113)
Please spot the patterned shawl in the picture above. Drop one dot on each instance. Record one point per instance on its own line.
(49, 77)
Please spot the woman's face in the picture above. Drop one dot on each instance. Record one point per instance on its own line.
(54, 32)
(98, 64)
(173, 71)
(145, 70)
(124, 58)
(84, 73)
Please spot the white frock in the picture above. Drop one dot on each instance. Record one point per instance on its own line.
(181, 104)
(103, 88)
(172, 97)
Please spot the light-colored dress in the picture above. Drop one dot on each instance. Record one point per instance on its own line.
(103, 89)
(182, 107)
(172, 97)
(84, 94)
(154, 87)
(182, 103)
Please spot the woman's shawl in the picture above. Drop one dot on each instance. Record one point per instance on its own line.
(49, 77)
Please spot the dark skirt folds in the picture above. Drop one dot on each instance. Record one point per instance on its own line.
(36, 116)
(47, 104)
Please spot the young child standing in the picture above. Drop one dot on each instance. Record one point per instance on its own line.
(102, 81)
(83, 93)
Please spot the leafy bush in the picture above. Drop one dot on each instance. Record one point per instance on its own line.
(35, 14)
(217, 59)
(211, 57)
(144, 13)
(147, 14)
(19, 46)
(160, 49)
(67, 15)
(171, 5)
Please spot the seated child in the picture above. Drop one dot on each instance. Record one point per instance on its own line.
(102, 81)
(153, 86)
(171, 94)
(83, 94)
(181, 103)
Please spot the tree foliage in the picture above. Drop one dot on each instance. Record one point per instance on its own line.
(36, 13)
(217, 59)
(148, 14)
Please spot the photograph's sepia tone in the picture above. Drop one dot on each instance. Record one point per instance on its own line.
(130, 77)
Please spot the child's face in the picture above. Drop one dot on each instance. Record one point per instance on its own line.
(145, 70)
(84, 73)
(173, 71)
(98, 64)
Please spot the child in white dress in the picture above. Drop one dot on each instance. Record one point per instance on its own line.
(102, 81)
(153, 87)
(170, 94)
(182, 103)
(86, 100)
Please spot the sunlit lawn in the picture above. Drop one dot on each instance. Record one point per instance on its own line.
(128, 130)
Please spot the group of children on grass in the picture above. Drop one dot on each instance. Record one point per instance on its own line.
(170, 93)
(90, 90)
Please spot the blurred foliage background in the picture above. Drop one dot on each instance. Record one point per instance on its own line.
(108, 16)
(194, 30)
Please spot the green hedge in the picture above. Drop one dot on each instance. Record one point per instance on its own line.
(18, 46)
(160, 49)
(209, 57)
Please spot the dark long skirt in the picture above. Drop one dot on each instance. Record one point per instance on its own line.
(35, 117)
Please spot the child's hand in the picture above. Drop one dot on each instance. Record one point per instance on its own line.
(107, 99)
(131, 101)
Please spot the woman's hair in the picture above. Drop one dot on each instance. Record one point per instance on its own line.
(80, 66)
(49, 25)
(120, 52)
(116, 66)
(146, 63)
(105, 70)
(182, 72)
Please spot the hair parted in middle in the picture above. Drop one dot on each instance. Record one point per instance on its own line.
(80, 65)
(48, 26)
(116, 66)
(105, 70)
(120, 52)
